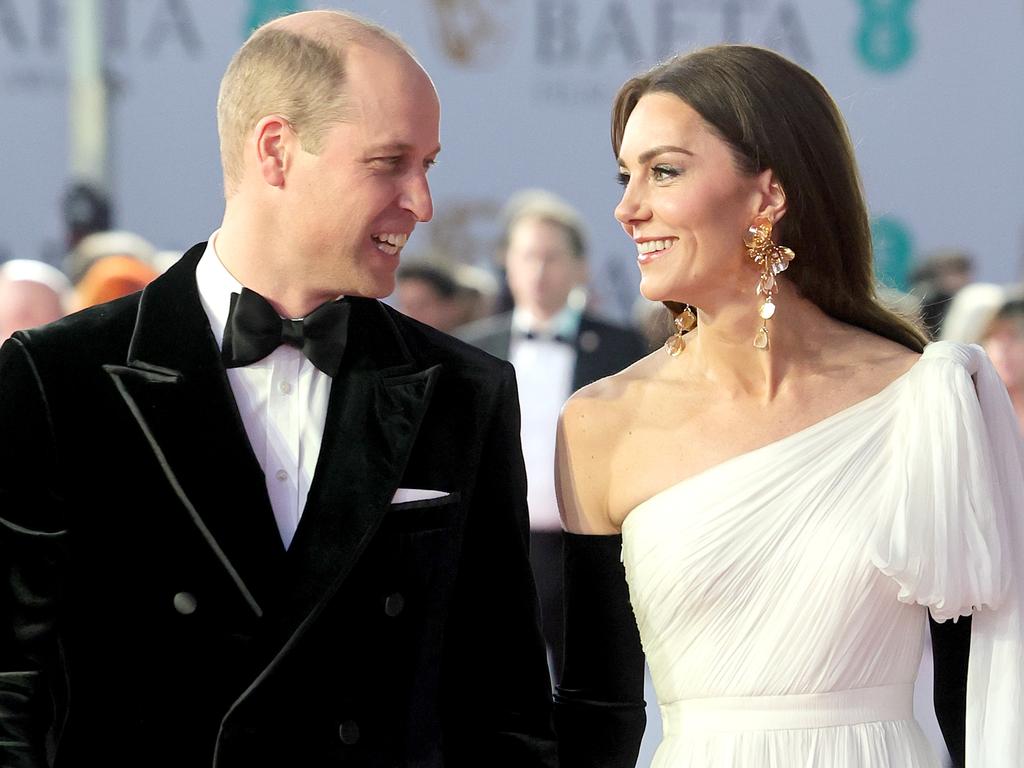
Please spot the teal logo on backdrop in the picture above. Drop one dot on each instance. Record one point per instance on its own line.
(893, 248)
(261, 11)
(885, 39)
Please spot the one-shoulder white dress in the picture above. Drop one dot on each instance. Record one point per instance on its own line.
(781, 595)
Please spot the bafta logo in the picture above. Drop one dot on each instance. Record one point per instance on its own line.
(473, 33)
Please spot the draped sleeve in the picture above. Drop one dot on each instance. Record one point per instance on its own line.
(952, 531)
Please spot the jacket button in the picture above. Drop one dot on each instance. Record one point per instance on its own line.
(185, 603)
(393, 604)
(348, 732)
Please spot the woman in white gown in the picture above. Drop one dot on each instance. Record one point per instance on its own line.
(795, 485)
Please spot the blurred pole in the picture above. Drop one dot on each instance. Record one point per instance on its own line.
(86, 203)
(88, 106)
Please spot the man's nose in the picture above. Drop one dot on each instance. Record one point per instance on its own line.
(416, 197)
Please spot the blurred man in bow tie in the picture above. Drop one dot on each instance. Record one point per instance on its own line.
(254, 516)
(556, 347)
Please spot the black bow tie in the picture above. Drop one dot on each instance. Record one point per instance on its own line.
(535, 336)
(254, 330)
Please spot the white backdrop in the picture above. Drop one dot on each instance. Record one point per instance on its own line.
(932, 92)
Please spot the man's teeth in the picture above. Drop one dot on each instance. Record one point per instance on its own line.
(649, 246)
(390, 243)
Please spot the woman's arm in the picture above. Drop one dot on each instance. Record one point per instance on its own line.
(951, 645)
(600, 713)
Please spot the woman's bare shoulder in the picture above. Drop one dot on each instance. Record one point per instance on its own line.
(597, 411)
(589, 428)
(872, 361)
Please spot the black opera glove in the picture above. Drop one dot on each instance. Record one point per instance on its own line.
(951, 648)
(599, 708)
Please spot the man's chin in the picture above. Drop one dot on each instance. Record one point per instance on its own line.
(378, 288)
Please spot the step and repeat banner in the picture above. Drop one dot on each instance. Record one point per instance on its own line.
(931, 90)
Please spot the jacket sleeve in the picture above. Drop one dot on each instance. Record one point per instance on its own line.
(600, 713)
(499, 685)
(32, 539)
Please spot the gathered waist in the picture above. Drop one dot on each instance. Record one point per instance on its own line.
(793, 711)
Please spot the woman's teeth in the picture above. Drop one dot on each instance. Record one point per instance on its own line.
(650, 246)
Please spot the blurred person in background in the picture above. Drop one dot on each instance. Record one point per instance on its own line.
(970, 312)
(109, 278)
(444, 296)
(935, 280)
(109, 264)
(425, 291)
(1003, 339)
(556, 348)
(112, 242)
(477, 292)
(32, 293)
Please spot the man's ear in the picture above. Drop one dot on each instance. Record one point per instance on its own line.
(275, 142)
(772, 195)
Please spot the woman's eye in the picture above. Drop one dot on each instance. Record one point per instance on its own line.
(664, 172)
(622, 178)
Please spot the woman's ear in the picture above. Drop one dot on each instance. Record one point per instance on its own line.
(772, 195)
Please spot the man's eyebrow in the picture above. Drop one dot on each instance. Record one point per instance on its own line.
(396, 148)
(655, 151)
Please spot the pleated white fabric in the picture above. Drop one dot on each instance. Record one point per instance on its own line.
(781, 595)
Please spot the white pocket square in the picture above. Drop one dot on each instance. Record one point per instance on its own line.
(416, 494)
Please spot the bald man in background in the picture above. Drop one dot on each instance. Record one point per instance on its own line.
(31, 293)
(315, 551)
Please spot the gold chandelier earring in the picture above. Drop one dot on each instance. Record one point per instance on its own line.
(684, 322)
(773, 259)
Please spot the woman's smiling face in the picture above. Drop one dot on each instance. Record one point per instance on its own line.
(686, 205)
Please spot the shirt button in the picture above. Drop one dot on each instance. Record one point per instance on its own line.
(281, 475)
(285, 388)
(393, 604)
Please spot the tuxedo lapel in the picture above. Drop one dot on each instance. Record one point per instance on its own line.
(378, 400)
(377, 403)
(176, 389)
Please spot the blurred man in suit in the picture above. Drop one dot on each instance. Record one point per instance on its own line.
(250, 523)
(556, 347)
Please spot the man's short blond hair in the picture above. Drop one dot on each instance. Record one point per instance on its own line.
(298, 75)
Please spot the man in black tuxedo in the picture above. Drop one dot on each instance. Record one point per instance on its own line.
(232, 539)
(556, 348)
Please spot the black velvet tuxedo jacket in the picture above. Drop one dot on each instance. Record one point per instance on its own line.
(601, 348)
(157, 618)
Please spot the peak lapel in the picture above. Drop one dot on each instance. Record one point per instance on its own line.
(377, 403)
(176, 389)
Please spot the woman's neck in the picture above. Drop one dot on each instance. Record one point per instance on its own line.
(723, 344)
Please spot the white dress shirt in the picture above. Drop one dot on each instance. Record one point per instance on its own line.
(282, 400)
(544, 372)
